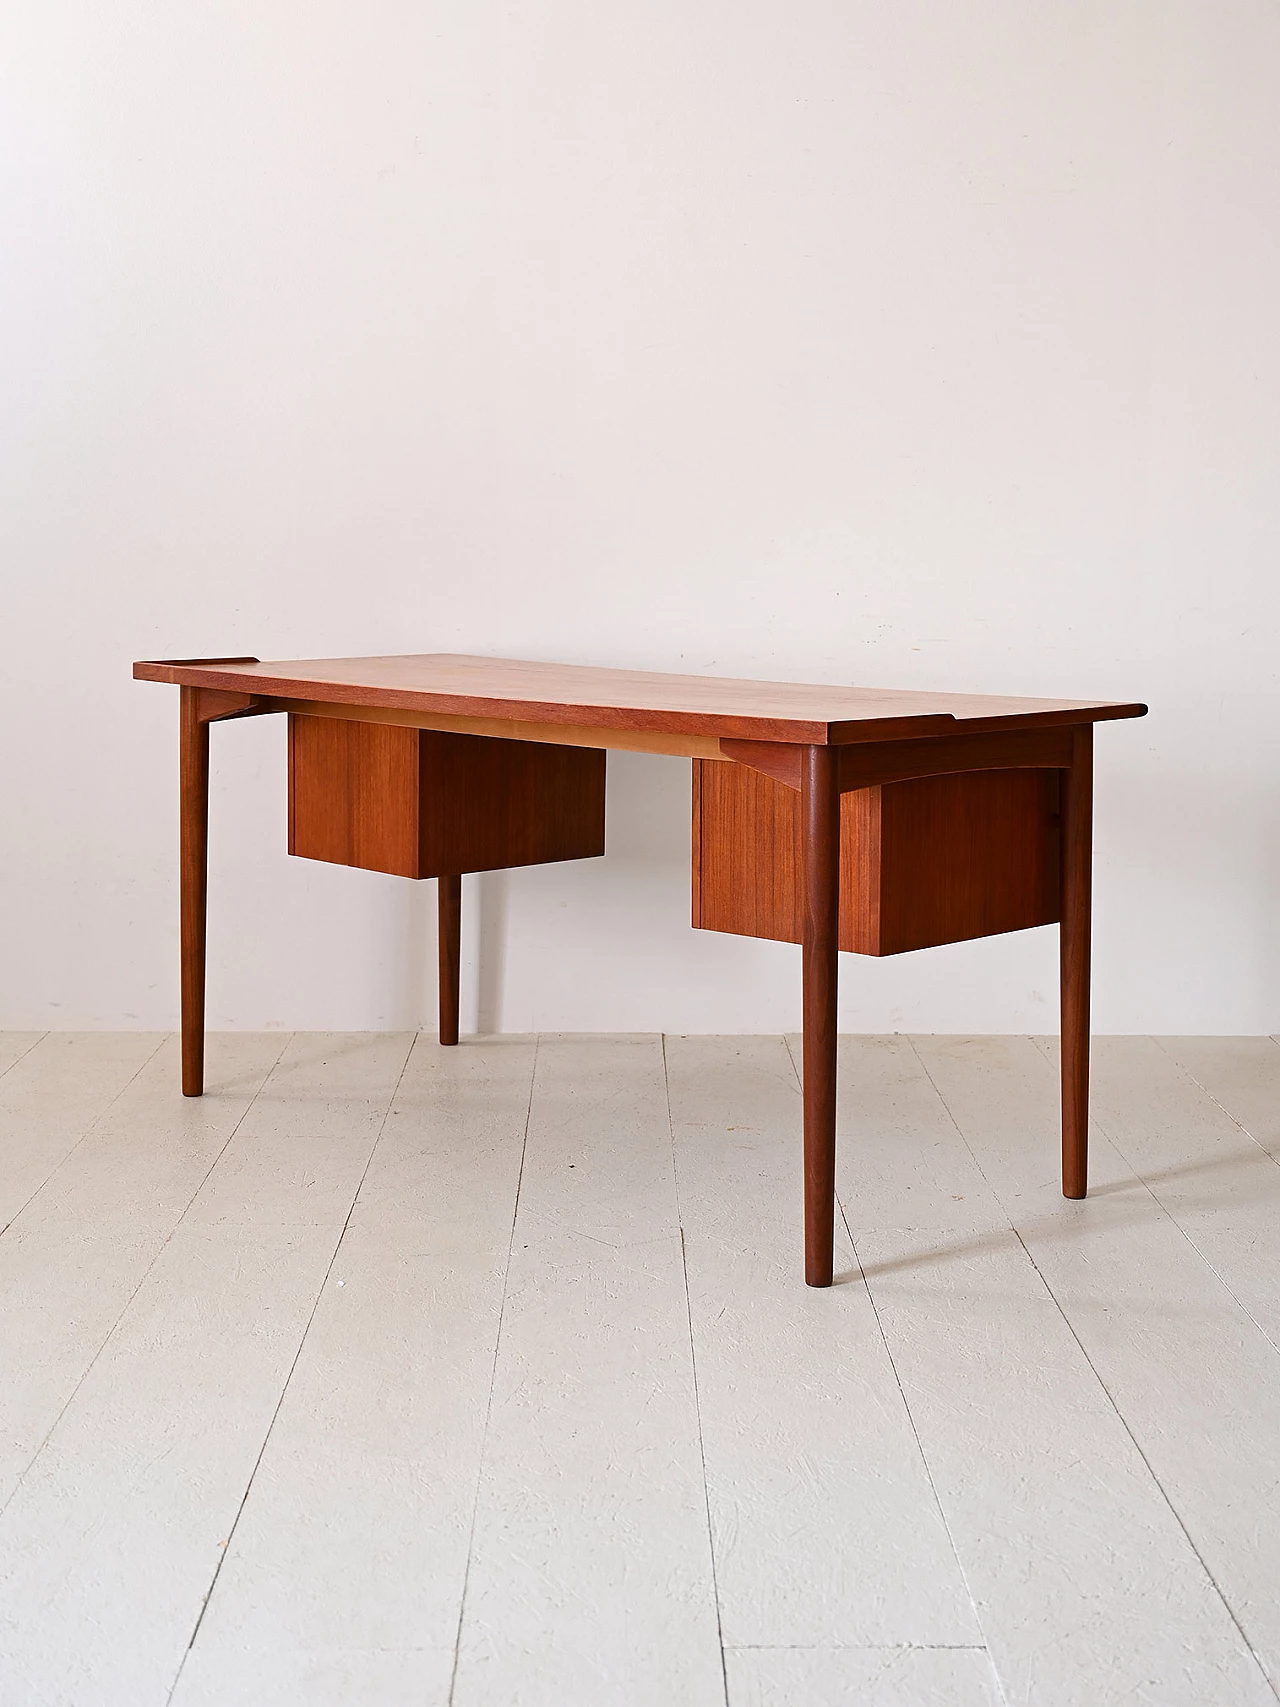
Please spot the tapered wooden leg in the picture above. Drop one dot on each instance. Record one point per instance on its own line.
(820, 820)
(1074, 935)
(450, 937)
(194, 863)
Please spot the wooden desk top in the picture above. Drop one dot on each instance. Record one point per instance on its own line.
(457, 686)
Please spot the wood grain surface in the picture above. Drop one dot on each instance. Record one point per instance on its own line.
(869, 762)
(449, 947)
(193, 872)
(631, 699)
(819, 932)
(933, 860)
(1074, 958)
(417, 803)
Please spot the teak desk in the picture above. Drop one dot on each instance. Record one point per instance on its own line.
(840, 818)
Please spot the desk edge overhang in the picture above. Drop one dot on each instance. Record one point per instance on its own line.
(222, 674)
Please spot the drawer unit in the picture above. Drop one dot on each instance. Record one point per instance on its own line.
(424, 803)
(937, 859)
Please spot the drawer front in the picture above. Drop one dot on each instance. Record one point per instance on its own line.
(422, 803)
(934, 860)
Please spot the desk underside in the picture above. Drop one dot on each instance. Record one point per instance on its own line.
(509, 728)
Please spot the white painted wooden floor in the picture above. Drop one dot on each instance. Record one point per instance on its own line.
(390, 1374)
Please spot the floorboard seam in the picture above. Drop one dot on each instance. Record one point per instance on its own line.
(1171, 1216)
(693, 1364)
(124, 1308)
(1217, 1102)
(284, 1387)
(858, 1648)
(1123, 1420)
(1174, 1512)
(493, 1378)
(928, 1470)
(87, 1133)
(1106, 1131)
(33, 1045)
(911, 1421)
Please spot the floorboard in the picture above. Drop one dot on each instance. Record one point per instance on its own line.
(486, 1377)
(1088, 1589)
(826, 1527)
(50, 1098)
(867, 1677)
(72, 1259)
(591, 1577)
(1210, 1174)
(14, 1045)
(328, 1600)
(1241, 1074)
(110, 1543)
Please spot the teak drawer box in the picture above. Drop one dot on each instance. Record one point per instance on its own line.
(421, 803)
(938, 859)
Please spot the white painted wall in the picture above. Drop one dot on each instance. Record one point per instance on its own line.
(917, 344)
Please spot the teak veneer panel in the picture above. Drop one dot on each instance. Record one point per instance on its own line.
(724, 707)
(864, 763)
(421, 803)
(933, 860)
